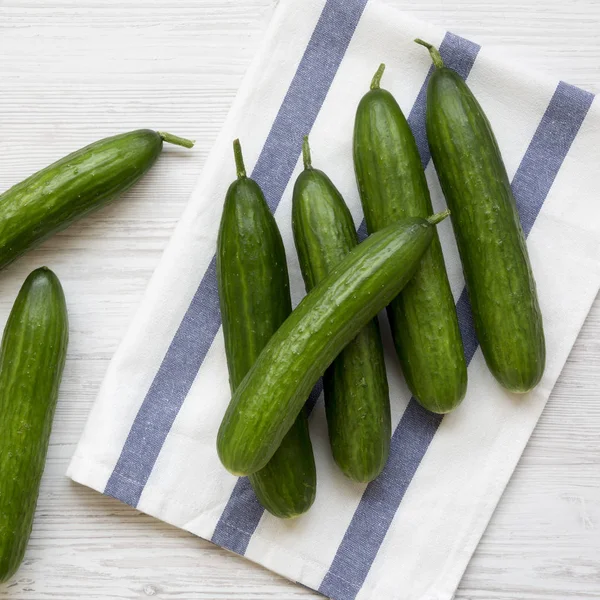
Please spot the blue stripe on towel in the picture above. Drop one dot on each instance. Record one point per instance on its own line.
(202, 321)
(532, 182)
(548, 149)
(167, 392)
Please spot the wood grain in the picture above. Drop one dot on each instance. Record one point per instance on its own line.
(72, 71)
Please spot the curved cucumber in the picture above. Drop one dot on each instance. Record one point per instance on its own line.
(32, 358)
(423, 317)
(488, 231)
(273, 393)
(255, 300)
(357, 399)
(54, 197)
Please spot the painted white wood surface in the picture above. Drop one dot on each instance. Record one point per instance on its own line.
(73, 71)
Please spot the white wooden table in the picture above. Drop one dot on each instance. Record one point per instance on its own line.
(73, 71)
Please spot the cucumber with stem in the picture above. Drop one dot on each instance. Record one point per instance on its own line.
(255, 300)
(490, 239)
(357, 402)
(423, 318)
(355, 386)
(53, 198)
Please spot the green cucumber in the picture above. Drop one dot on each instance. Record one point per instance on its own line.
(357, 401)
(54, 197)
(392, 186)
(490, 239)
(32, 358)
(272, 394)
(255, 300)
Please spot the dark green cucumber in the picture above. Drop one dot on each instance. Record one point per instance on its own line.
(272, 394)
(32, 358)
(488, 231)
(54, 197)
(357, 401)
(392, 186)
(254, 293)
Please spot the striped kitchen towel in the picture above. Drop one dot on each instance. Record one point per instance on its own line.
(150, 439)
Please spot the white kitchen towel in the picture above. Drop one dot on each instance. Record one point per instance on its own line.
(150, 439)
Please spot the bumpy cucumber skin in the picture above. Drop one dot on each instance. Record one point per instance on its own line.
(51, 199)
(287, 485)
(273, 393)
(255, 300)
(356, 390)
(32, 358)
(492, 247)
(423, 318)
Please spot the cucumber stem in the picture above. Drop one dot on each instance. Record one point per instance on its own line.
(239, 159)
(306, 154)
(435, 219)
(376, 82)
(175, 139)
(435, 54)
